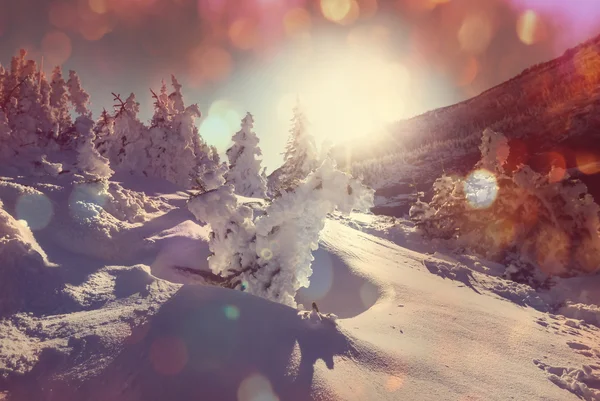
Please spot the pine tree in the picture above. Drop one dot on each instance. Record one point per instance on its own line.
(104, 132)
(300, 157)
(59, 99)
(78, 97)
(176, 97)
(89, 162)
(244, 167)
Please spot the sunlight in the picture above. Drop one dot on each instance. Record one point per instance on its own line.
(352, 96)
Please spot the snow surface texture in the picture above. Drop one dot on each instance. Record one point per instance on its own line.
(85, 317)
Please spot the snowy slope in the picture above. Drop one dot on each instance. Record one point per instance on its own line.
(115, 323)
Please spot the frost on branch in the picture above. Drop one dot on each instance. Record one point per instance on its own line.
(271, 255)
(521, 219)
(244, 167)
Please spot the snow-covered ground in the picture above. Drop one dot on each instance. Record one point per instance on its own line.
(102, 298)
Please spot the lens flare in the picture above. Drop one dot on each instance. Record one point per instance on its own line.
(209, 64)
(552, 250)
(168, 355)
(266, 254)
(368, 294)
(57, 47)
(296, 21)
(232, 312)
(243, 34)
(343, 12)
(393, 383)
(34, 209)
(475, 33)
(321, 280)
(529, 28)
(98, 6)
(481, 189)
(87, 200)
(256, 387)
(221, 121)
(588, 163)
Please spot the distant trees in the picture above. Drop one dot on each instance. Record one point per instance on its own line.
(244, 167)
(36, 124)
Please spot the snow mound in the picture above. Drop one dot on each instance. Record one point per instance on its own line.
(111, 283)
(584, 382)
(27, 279)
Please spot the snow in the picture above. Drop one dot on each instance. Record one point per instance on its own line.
(104, 295)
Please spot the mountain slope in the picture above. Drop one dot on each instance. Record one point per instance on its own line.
(550, 113)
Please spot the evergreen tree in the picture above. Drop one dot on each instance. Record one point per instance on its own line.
(176, 97)
(244, 167)
(300, 156)
(78, 97)
(59, 99)
(89, 162)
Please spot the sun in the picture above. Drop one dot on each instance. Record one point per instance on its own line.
(352, 95)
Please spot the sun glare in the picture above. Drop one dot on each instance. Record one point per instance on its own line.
(352, 96)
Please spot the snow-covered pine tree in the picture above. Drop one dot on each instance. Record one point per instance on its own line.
(244, 167)
(270, 255)
(214, 154)
(176, 97)
(300, 157)
(90, 162)
(6, 150)
(78, 97)
(104, 131)
(59, 101)
(127, 150)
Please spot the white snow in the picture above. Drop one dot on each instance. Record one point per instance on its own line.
(85, 314)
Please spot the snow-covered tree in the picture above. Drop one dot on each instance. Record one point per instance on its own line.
(127, 150)
(59, 100)
(524, 218)
(300, 157)
(89, 161)
(176, 97)
(170, 148)
(244, 167)
(270, 255)
(77, 95)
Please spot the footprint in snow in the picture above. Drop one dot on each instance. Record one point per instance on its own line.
(577, 346)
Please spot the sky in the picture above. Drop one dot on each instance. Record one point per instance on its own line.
(355, 65)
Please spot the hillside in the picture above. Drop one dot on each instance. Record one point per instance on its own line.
(549, 112)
